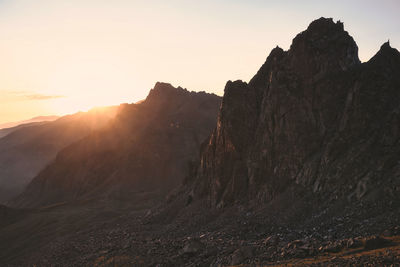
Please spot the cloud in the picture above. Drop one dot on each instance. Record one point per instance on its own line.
(42, 97)
(12, 96)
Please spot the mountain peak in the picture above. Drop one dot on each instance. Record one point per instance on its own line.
(163, 85)
(323, 48)
(320, 30)
(276, 52)
(325, 25)
(386, 45)
(327, 44)
(388, 50)
(163, 90)
(387, 56)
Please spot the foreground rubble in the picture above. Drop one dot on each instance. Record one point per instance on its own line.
(195, 235)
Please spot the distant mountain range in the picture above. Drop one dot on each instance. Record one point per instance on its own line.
(35, 119)
(29, 147)
(6, 131)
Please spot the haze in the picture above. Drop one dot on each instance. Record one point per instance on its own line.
(59, 57)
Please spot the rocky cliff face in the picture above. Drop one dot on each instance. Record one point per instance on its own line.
(312, 117)
(147, 148)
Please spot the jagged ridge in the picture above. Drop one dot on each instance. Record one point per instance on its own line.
(312, 117)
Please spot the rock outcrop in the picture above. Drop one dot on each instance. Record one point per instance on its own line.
(312, 117)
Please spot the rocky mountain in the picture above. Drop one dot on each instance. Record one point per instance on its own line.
(312, 117)
(28, 148)
(147, 148)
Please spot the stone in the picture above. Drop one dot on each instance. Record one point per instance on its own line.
(193, 246)
(375, 242)
(241, 254)
(354, 243)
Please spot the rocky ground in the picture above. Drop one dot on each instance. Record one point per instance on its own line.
(108, 233)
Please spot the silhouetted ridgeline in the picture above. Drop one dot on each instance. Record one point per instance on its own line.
(147, 148)
(312, 117)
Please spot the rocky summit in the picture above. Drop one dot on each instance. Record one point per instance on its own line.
(313, 117)
(297, 167)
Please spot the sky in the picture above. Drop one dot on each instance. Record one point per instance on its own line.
(59, 57)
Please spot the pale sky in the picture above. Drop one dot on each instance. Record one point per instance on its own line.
(59, 57)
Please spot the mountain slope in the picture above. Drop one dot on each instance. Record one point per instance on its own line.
(146, 148)
(313, 117)
(7, 131)
(29, 148)
(33, 120)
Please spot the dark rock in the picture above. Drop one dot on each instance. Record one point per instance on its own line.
(271, 241)
(387, 233)
(295, 244)
(375, 242)
(313, 118)
(241, 254)
(193, 246)
(354, 243)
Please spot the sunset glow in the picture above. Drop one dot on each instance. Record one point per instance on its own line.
(59, 57)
